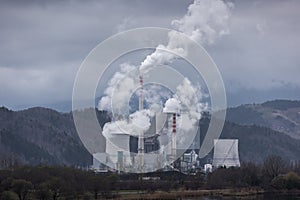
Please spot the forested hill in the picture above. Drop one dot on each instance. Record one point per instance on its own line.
(279, 115)
(256, 142)
(39, 135)
(44, 136)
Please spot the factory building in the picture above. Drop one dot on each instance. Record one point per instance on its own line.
(158, 147)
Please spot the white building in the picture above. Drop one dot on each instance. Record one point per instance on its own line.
(208, 168)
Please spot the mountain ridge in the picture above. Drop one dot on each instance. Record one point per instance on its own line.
(45, 136)
(279, 115)
(41, 135)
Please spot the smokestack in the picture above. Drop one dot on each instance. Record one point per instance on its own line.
(172, 108)
(141, 134)
(173, 140)
(141, 150)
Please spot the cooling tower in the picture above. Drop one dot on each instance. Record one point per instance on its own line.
(226, 153)
(161, 119)
(116, 143)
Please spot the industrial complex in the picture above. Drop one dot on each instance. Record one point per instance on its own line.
(158, 147)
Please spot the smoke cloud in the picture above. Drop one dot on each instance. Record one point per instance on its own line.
(137, 122)
(172, 106)
(189, 96)
(204, 22)
(121, 86)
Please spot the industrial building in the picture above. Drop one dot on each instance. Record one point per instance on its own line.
(143, 150)
(158, 147)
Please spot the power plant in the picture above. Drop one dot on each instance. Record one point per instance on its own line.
(146, 144)
(140, 149)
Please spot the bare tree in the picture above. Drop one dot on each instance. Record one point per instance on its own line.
(21, 187)
(273, 166)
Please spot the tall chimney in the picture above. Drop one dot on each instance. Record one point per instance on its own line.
(172, 109)
(173, 140)
(141, 134)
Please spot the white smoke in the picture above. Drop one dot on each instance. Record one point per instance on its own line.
(120, 88)
(186, 102)
(154, 95)
(162, 55)
(172, 105)
(187, 94)
(141, 119)
(138, 122)
(189, 97)
(205, 21)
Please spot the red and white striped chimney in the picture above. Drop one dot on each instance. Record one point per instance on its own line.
(173, 140)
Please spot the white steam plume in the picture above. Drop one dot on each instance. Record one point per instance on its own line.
(205, 21)
(189, 96)
(172, 105)
(137, 122)
(161, 56)
(119, 90)
(186, 104)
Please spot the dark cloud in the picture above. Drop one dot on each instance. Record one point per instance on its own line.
(51, 31)
(44, 42)
(262, 46)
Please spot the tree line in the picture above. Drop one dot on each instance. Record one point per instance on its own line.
(59, 182)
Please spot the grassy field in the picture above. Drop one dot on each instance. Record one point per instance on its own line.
(182, 194)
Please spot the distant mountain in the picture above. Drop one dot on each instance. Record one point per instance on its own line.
(279, 115)
(39, 135)
(44, 136)
(149, 89)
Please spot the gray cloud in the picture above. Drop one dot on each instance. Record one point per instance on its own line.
(262, 47)
(44, 42)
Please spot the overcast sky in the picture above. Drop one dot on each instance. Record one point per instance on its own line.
(44, 42)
